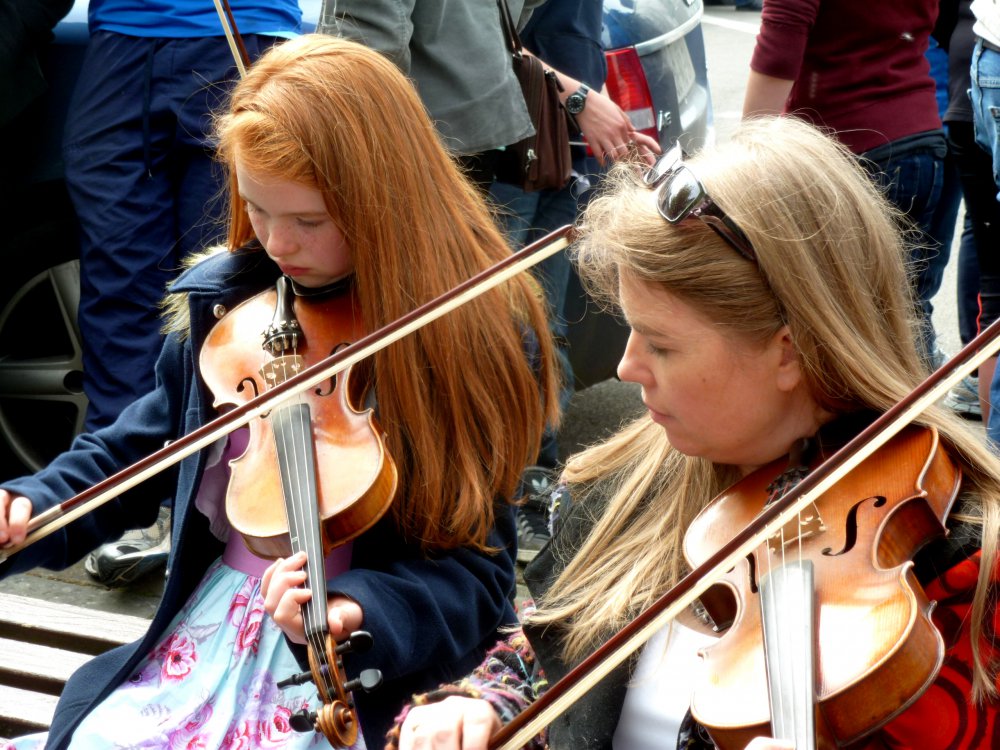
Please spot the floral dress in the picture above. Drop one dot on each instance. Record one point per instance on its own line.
(211, 681)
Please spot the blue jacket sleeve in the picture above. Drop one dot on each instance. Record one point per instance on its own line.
(141, 429)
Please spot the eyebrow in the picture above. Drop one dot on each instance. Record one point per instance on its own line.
(303, 214)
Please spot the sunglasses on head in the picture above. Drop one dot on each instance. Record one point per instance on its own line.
(680, 195)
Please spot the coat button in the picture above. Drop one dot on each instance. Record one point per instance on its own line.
(219, 311)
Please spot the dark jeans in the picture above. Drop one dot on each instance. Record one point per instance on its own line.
(912, 171)
(529, 217)
(141, 173)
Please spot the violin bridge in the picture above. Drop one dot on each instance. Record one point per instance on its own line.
(808, 523)
(278, 370)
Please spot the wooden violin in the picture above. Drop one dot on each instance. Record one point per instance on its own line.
(827, 632)
(315, 473)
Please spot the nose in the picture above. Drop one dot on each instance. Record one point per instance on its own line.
(281, 240)
(630, 368)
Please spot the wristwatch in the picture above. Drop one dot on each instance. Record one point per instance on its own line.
(576, 101)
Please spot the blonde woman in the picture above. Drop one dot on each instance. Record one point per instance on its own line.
(764, 283)
(338, 182)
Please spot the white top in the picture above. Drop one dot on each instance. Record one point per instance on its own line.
(987, 25)
(660, 692)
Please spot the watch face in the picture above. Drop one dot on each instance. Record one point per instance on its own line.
(574, 104)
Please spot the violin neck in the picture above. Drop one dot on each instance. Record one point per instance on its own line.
(293, 437)
(787, 616)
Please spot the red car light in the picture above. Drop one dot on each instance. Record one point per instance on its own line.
(626, 85)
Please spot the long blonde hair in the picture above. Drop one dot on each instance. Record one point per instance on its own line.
(463, 407)
(831, 267)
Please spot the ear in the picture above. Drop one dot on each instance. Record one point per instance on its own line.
(788, 373)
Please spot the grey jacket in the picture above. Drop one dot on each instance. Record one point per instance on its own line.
(455, 53)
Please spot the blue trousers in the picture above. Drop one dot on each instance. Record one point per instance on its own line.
(147, 192)
(529, 217)
(912, 171)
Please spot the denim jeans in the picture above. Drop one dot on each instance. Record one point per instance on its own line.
(986, 112)
(986, 102)
(529, 217)
(911, 170)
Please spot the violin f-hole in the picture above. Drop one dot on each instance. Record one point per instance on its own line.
(851, 525)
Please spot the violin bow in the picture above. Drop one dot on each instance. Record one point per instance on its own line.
(236, 46)
(562, 694)
(58, 516)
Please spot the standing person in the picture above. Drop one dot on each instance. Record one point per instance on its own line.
(985, 91)
(455, 53)
(140, 170)
(141, 176)
(346, 213)
(982, 210)
(784, 324)
(864, 76)
(566, 34)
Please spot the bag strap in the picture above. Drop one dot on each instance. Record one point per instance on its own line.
(509, 29)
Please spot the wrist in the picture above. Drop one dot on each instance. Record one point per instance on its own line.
(576, 101)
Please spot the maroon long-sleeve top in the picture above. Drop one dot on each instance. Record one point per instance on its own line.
(858, 66)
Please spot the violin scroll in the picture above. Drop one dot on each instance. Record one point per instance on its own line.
(335, 718)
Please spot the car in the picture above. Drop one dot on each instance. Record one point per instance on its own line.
(656, 72)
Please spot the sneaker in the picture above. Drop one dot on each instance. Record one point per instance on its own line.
(963, 399)
(533, 515)
(136, 554)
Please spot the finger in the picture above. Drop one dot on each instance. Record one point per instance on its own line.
(481, 723)
(643, 141)
(14, 523)
(281, 582)
(265, 580)
(287, 615)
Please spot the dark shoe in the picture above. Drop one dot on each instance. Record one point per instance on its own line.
(137, 553)
(537, 484)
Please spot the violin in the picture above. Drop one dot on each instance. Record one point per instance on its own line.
(767, 525)
(315, 473)
(333, 449)
(836, 584)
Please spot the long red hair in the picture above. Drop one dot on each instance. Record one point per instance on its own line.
(462, 405)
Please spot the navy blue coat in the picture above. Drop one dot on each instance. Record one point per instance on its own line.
(431, 618)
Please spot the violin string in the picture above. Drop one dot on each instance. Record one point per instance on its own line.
(288, 434)
(315, 609)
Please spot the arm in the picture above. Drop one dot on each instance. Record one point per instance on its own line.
(608, 130)
(765, 95)
(140, 430)
(424, 612)
(778, 55)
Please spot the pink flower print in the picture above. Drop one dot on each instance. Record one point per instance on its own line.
(241, 737)
(239, 603)
(248, 635)
(274, 733)
(179, 657)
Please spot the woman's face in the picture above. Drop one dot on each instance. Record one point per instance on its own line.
(730, 402)
(292, 223)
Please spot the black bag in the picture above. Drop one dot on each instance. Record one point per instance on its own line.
(541, 161)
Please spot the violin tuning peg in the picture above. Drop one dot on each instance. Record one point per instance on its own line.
(368, 680)
(357, 642)
(295, 679)
(303, 721)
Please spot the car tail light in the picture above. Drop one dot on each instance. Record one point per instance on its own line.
(626, 85)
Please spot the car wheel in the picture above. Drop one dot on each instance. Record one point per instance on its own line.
(42, 404)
